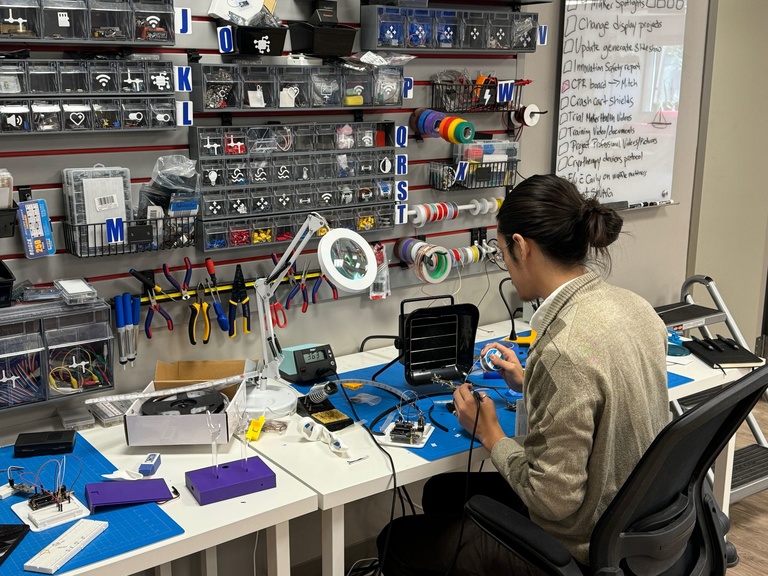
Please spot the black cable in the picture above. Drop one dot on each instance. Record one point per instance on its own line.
(512, 334)
(478, 400)
(376, 337)
(394, 481)
(387, 365)
(402, 500)
(435, 423)
(410, 502)
(488, 287)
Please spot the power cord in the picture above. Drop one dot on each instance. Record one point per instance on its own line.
(478, 400)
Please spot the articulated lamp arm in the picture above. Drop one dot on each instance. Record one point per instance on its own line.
(272, 353)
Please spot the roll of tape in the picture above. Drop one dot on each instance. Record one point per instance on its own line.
(531, 115)
(463, 132)
(413, 119)
(432, 123)
(450, 132)
(422, 116)
(444, 124)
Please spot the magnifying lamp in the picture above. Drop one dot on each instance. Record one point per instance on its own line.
(347, 260)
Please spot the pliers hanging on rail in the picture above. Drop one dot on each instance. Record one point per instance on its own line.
(301, 284)
(239, 295)
(319, 283)
(184, 287)
(152, 287)
(198, 307)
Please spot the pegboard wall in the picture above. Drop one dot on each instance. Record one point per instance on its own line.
(37, 162)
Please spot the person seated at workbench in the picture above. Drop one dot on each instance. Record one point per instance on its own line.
(594, 387)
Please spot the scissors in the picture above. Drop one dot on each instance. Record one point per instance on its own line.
(277, 314)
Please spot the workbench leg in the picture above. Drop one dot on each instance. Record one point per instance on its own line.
(724, 476)
(333, 541)
(163, 570)
(210, 562)
(278, 550)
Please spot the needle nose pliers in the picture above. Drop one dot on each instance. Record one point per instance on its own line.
(239, 295)
(184, 287)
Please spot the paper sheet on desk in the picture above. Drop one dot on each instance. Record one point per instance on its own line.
(130, 527)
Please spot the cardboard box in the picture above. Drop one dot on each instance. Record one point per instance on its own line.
(186, 429)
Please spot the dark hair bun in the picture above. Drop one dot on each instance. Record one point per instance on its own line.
(602, 225)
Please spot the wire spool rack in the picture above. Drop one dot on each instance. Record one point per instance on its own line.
(422, 214)
(431, 263)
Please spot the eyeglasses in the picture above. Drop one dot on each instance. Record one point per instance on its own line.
(497, 257)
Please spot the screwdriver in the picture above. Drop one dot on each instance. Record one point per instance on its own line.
(221, 318)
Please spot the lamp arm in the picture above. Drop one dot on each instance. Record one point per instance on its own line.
(272, 353)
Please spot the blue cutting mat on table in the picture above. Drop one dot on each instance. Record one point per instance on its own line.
(130, 527)
(456, 439)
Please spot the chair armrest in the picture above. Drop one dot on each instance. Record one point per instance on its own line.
(522, 537)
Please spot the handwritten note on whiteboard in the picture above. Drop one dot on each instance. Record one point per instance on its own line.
(619, 97)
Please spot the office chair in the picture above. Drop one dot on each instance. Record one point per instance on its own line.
(664, 520)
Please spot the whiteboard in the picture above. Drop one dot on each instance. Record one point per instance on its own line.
(621, 64)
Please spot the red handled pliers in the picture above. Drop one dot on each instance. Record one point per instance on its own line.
(319, 283)
(184, 287)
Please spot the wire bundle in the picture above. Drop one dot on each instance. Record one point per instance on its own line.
(431, 264)
(437, 125)
(421, 214)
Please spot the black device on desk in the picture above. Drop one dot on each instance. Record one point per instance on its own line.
(317, 406)
(44, 443)
(308, 363)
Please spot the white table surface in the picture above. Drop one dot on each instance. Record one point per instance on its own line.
(342, 482)
(204, 526)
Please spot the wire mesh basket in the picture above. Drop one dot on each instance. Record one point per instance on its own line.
(486, 97)
(129, 237)
(472, 175)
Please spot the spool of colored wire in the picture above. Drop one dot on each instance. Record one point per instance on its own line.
(422, 117)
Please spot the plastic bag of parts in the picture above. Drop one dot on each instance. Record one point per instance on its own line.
(176, 173)
(373, 60)
(380, 287)
(174, 189)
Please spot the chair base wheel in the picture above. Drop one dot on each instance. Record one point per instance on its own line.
(731, 555)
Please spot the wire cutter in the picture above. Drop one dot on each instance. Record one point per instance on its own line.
(197, 307)
(184, 287)
(301, 284)
(239, 295)
(155, 307)
(319, 283)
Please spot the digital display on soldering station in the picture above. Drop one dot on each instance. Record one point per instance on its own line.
(314, 356)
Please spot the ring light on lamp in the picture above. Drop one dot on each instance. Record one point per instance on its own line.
(348, 260)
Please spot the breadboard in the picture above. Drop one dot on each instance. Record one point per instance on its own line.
(50, 516)
(130, 527)
(65, 547)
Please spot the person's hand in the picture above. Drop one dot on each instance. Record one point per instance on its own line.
(508, 366)
(465, 400)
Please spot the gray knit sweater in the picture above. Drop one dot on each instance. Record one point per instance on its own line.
(595, 390)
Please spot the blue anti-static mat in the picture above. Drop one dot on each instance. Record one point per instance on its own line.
(441, 443)
(130, 527)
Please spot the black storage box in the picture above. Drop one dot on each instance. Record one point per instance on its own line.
(261, 41)
(6, 285)
(322, 40)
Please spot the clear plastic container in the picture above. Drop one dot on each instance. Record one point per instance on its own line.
(76, 290)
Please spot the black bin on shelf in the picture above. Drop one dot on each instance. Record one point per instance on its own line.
(6, 285)
(259, 41)
(322, 40)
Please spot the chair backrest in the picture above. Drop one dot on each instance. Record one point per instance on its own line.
(663, 520)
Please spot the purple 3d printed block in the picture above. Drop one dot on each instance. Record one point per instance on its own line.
(234, 479)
